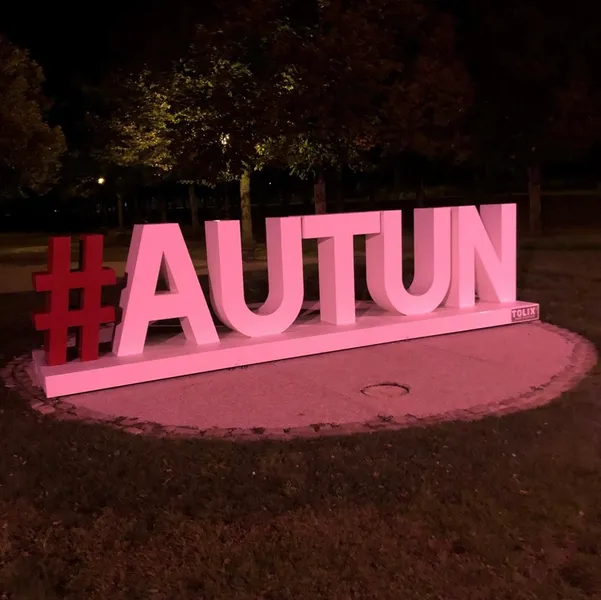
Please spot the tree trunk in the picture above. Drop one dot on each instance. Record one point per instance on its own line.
(283, 197)
(137, 213)
(307, 201)
(372, 195)
(340, 190)
(193, 206)
(421, 196)
(246, 214)
(534, 201)
(162, 202)
(146, 210)
(222, 203)
(319, 193)
(396, 183)
(476, 189)
(120, 213)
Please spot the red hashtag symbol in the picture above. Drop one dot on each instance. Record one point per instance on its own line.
(90, 314)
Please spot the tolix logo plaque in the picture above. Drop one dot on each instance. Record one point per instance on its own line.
(528, 313)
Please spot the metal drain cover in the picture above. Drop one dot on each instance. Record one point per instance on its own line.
(386, 389)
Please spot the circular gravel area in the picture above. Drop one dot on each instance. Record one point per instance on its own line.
(462, 376)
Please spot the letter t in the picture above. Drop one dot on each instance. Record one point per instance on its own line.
(335, 255)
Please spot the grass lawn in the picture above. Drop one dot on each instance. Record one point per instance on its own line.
(505, 508)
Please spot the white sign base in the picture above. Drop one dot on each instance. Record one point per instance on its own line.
(176, 357)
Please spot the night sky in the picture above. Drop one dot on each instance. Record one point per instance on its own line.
(76, 40)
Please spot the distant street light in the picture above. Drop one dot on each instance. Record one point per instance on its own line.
(101, 180)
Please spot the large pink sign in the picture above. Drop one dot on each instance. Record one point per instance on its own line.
(465, 278)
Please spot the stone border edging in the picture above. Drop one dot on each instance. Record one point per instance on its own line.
(582, 360)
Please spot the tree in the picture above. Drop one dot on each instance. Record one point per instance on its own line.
(537, 100)
(371, 80)
(163, 124)
(97, 163)
(309, 86)
(334, 64)
(30, 149)
(201, 117)
(424, 111)
(228, 92)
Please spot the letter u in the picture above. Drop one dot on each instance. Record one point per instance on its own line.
(432, 258)
(285, 276)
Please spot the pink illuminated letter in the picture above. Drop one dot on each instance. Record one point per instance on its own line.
(285, 274)
(335, 253)
(150, 246)
(384, 261)
(483, 254)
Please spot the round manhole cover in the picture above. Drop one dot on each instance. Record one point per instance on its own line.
(386, 389)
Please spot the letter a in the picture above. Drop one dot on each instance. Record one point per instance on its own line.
(384, 261)
(151, 246)
(285, 273)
